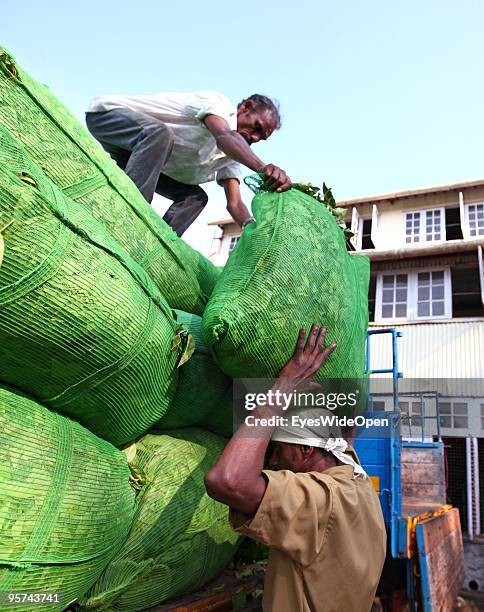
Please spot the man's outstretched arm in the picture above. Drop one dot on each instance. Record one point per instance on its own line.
(235, 205)
(234, 146)
(236, 479)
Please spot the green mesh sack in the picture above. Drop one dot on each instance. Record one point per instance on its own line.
(204, 393)
(82, 327)
(66, 504)
(288, 270)
(76, 163)
(180, 537)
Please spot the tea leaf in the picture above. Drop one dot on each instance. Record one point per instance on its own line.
(188, 350)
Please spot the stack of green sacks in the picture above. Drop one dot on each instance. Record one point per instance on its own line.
(89, 278)
(66, 504)
(75, 162)
(180, 538)
(83, 328)
(288, 270)
(87, 282)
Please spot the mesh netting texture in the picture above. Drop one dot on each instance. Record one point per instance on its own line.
(82, 327)
(180, 538)
(76, 163)
(204, 393)
(288, 270)
(66, 504)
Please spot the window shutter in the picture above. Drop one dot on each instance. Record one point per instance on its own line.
(355, 228)
(481, 271)
(375, 216)
(463, 217)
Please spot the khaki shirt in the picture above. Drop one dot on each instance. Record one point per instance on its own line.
(327, 540)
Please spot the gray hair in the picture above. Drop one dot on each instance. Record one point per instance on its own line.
(261, 101)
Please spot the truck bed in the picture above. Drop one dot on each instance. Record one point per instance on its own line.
(239, 588)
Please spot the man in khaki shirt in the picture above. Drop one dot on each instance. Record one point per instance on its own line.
(318, 512)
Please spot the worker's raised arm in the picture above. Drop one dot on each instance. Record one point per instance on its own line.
(235, 146)
(235, 205)
(236, 479)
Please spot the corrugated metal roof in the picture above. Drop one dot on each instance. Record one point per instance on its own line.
(452, 350)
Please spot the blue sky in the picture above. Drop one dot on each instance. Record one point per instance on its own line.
(376, 96)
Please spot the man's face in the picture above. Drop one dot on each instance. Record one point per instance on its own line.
(254, 125)
(285, 456)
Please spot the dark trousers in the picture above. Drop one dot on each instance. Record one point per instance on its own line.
(141, 146)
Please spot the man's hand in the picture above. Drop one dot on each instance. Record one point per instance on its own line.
(235, 205)
(308, 357)
(276, 179)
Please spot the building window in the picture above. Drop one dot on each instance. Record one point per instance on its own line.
(466, 290)
(425, 226)
(416, 414)
(372, 298)
(475, 219)
(453, 225)
(394, 296)
(233, 242)
(430, 294)
(378, 406)
(362, 231)
(445, 414)
(411, 413)
(433, 224)
(366, 240)
(412, 227)
(413, 295)
(454, 414)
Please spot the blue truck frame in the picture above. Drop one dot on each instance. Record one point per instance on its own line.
(381, 457)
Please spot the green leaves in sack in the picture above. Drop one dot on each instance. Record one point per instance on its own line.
(2, 243)
(137, 478)
(26, 178)
(324, 195)
(184, 343)
(7, 64)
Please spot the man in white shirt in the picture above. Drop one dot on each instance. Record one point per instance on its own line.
(172, 142)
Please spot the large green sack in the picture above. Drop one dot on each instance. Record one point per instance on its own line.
(288, 270)
(82, 327)
(204, 393)
(76, 163)
(180, 537)
(66, 504)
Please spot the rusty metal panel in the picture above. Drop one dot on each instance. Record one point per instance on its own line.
(441, 558)
(423, 476)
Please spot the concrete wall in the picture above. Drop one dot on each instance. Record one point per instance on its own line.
(474, 564)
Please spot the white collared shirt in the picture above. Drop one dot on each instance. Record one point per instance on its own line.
(195, 158)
